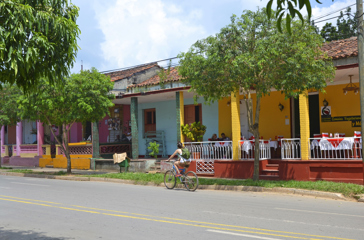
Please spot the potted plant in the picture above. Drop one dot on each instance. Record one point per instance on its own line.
(194, 132)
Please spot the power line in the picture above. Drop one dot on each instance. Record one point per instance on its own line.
(325, 15)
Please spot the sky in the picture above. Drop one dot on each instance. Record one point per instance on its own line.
(118, 34)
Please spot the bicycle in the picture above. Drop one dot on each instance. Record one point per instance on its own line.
(189, 179)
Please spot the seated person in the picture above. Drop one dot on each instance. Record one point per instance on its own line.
(224, 138)
(117, 139)
(214, 137)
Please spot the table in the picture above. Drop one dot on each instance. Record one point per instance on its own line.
(333, 143)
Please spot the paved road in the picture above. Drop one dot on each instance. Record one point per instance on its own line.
(33, 208)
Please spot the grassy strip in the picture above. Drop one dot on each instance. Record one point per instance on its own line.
(347, 189)
(6, 168)
(59, 173)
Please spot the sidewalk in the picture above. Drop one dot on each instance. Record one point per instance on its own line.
(302, 192)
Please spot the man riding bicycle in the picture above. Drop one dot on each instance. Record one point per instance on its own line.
(184, 159)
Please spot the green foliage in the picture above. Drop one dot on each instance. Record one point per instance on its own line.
(251, 54)
(9, 112)
(154, 148)
(194, 131)
(346, 26)
(289, 9)
(38, 39)
(83, 97)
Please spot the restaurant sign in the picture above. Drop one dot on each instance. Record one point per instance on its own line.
(355, 120)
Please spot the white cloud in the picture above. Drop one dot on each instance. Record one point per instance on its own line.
(142, 31)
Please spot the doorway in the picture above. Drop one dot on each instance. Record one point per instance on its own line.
(314, 112)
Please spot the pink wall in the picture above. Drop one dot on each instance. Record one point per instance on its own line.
(76, 133)
(126, 115)
(12, 135)
(103, 130)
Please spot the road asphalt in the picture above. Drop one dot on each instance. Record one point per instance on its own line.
(302, 192)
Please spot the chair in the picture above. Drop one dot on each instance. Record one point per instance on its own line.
(341, 134)
(325, 135)
(317, 135)
(357, 134)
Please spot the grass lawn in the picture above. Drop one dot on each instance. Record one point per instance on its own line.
(60, 173)
(347, 189)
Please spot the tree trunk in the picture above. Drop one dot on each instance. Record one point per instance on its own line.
(256, 136)
(66, 148)
(254, 129)
(95, 140)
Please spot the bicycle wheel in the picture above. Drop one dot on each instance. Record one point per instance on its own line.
(170, 179)
(191, 181)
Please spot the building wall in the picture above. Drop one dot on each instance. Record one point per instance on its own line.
(11, 135)
(166, 121)
(29, 138)
(341, 105)
(272, 121)
(76, 133)
(103, 130)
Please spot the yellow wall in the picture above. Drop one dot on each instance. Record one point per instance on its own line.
(272, 120)
(76, 163)
(224, 118)
(341, 105)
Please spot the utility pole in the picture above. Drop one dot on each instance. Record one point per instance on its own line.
(359, 9)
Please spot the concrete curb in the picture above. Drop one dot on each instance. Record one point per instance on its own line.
(302, 192)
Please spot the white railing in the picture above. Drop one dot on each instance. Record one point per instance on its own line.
(291, 148)
(335, 148)
(219, 150)
(246, 149)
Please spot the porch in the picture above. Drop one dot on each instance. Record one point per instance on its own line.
(330, 159)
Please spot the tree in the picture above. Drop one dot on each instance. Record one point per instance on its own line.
(84, 97)
(251, 55)
(9, 113)
(346, 26)
(38, 39)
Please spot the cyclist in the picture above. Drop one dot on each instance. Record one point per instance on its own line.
(184, 159)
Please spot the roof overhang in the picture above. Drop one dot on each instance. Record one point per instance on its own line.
(154, 96)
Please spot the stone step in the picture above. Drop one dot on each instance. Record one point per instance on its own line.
(270, 172)
(272, 166)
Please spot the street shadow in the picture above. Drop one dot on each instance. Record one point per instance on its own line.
(7, 234)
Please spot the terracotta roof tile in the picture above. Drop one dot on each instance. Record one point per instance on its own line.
(336, 49)
(172, 77)
(118, 75)
(342, 48)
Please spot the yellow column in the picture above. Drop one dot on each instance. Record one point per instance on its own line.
(304, 125)
(235, 123)
(182, 113)
(6, 151)
(48, 149)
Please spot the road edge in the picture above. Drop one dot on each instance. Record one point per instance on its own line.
(302, 192)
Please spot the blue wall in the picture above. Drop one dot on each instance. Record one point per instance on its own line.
(166, 121)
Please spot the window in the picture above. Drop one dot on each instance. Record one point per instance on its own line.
(149, 120)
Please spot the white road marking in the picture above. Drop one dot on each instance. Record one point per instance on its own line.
(283, 220)
(240, 234)
(32, 184)
(308, 211)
